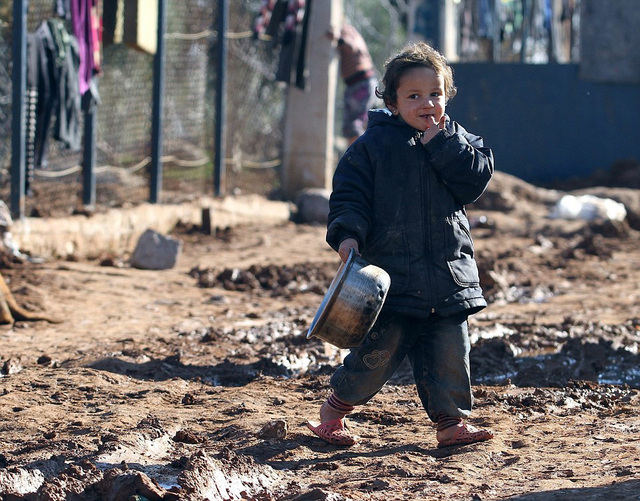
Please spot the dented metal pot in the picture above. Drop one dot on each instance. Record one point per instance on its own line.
(351, 304)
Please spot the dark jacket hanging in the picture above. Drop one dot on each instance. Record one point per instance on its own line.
(294, 15)
(52, 82)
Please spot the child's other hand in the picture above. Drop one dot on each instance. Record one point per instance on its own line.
(433, 129)
(345, 247)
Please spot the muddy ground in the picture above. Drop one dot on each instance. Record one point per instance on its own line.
(195, 382)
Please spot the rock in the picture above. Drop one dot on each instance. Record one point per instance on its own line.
(118, 485)
(10, 366)
(318, 494)
(313, 205)
(274, 429)
(155, 251)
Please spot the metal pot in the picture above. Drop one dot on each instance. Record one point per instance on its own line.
(352, 303)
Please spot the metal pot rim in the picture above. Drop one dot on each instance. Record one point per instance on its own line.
(331, 296)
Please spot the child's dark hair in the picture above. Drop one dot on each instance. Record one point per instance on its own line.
(414, 55)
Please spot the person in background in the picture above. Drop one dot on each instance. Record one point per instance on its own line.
(360, 80)
(399, 195)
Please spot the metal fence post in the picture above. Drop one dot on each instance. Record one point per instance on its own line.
(89, 155)
(18, 132)
(158, 101)
(221, 93)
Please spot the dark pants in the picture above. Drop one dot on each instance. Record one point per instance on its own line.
(438, 350)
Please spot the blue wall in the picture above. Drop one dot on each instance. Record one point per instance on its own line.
(545, 123)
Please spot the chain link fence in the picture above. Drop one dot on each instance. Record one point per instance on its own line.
(255, 109)
(255, 101)
(5, 101)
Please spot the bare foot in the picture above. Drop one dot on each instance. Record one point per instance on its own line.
(447, 433)
(328, 413)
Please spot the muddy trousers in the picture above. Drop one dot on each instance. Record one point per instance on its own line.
(438, 350)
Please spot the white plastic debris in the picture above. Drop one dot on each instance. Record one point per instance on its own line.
(6, 238)
(5, 216)
(588, 207)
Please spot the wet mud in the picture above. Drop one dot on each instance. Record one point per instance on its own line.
(195, 383)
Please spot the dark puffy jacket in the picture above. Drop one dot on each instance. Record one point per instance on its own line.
(404, 203)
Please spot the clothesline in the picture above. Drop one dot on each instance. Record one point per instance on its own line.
(208, 33)
(249, 164)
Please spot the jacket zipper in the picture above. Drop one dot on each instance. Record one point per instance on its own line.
(426, 226)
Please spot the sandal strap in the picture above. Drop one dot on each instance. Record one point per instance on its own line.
(464, 436)
(333, 432)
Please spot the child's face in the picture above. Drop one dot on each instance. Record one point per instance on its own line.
(421, 98)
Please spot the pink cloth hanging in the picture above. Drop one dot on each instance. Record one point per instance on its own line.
(86, 28)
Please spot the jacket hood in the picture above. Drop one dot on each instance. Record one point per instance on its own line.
(382, 116)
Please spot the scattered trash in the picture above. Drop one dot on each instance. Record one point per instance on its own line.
(589, 208)
(7, 243)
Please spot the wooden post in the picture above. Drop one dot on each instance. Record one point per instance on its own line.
(449, 30)
(309, 159)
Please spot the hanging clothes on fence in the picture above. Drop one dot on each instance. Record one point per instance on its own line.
(294, 15)
(31, 106)
(61, 67)
(67, 126)
(86, 23)
(53, 96)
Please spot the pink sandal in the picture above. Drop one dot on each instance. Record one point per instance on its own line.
(466, 434)
(333, 432)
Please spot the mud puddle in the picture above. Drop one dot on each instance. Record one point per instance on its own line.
(524, 354)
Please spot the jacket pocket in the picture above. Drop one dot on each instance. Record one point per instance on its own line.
(388, 249)
(460, 251)
(465, 272)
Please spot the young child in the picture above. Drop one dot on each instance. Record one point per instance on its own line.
(399, 195)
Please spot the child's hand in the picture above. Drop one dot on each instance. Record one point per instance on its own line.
(345, 247)
(433, 129)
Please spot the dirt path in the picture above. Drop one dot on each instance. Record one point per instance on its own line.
(195, 382)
